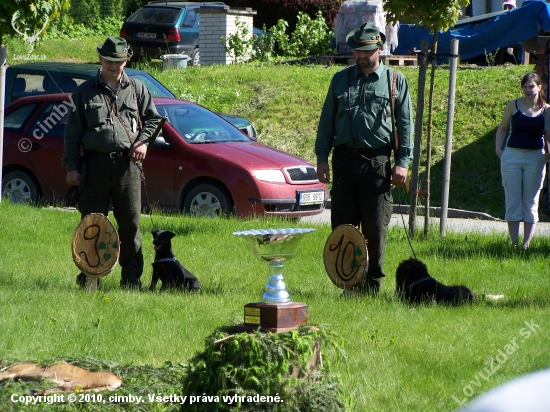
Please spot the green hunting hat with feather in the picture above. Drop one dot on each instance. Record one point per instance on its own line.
(115, 49)
(366, 37)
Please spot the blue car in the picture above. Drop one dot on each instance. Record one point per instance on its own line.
(162, 27)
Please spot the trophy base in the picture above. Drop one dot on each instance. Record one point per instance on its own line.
(273, 317)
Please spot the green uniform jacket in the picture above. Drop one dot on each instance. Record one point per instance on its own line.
(94, 125)
(357, 111)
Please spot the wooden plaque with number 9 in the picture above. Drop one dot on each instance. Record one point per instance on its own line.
(95, 245)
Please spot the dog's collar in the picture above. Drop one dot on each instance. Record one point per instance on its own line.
(419, 281)
(172, 259)
(400, 292)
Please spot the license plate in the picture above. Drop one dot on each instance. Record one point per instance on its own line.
(311, 197)
(146, 35)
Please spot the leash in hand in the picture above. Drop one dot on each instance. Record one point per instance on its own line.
(149, 207)
(406, 185)
(158, 129)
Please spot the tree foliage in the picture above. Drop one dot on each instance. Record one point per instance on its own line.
(434, 15)
(271, 11)
(89, 12)
(31, 16)
(131, 6)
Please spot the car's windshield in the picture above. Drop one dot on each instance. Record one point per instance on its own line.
(155, 87)
(155, 15)
(195, 124)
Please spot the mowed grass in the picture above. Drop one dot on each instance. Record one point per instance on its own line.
(399, 357)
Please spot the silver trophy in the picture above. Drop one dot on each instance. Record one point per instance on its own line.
(274, 246)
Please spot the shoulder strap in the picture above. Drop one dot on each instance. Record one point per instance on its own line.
(114, 110)
(133, 85)
(393, 93)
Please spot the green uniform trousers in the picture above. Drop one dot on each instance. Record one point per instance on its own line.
(361, 196)
(116, 181)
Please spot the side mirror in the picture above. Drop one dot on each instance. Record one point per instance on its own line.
(160, 143)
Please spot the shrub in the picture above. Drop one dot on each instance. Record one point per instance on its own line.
(239, 44)
(243, 365)
(310, 37)
(87, 12)
(67, 28)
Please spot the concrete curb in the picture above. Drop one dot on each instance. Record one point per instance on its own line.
(451, 213)
(436, 212)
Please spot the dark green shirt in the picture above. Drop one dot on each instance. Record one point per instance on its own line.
(357, 111)
(95, 126)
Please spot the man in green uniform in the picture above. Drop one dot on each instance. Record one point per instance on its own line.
(356, 121)
(112, 122)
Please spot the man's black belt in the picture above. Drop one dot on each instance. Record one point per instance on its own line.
(379, 151)
(111, 155)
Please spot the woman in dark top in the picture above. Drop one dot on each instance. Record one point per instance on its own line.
(520, 139)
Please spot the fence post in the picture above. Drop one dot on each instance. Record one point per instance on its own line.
(449, 139)
(422, 66)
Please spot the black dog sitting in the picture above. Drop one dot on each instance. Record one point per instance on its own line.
(415, 285)
(167, 268)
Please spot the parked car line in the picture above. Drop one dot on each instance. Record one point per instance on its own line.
(199, 164)
(36, 78)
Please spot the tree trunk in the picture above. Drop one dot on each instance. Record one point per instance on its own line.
(429, 139)
(419, 120)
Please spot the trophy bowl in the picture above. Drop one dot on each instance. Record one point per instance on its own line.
(274, 246)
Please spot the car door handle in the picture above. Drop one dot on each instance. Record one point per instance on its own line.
(35, 146)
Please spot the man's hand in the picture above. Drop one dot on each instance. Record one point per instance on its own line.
(323, 172)
(137, 151)
(398, 176)
(73, 178)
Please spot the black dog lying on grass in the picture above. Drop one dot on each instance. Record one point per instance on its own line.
(167, 268)
(415, 285)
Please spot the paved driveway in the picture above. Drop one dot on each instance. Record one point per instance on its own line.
(471, 224)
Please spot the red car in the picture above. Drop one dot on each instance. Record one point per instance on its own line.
(199, 164)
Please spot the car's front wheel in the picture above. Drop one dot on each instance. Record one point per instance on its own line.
(208, 200)
(20, 187)
(195, 59)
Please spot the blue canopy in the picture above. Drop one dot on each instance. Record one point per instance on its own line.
(481, 36)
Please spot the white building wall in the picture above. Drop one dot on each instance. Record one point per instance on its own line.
(218, 23)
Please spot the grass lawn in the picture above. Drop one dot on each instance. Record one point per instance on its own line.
(398, 357)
